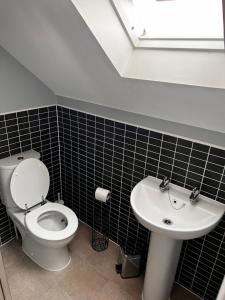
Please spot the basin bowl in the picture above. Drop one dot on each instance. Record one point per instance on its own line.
(171, 213)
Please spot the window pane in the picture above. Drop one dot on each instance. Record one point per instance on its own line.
(181, 18)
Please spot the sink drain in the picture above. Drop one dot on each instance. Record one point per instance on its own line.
(167, 221)
(20, 157)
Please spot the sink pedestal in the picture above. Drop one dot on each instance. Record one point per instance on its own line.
(171, 218)
(163, 257)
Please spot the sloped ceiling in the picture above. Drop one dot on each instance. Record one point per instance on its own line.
(51, 39)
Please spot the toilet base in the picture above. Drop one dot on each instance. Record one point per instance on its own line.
(48, 258)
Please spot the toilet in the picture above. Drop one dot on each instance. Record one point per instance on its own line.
(46, 228)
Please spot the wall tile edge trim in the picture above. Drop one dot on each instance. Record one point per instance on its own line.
(26, 109)
(191, 133)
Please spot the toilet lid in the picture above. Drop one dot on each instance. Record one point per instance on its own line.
(29, 183)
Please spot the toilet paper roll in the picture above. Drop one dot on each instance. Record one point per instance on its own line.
(102, 194)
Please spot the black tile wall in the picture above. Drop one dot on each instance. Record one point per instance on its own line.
(32, 129)
(94, 151)
(100, 152)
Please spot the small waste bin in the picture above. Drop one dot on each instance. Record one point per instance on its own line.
(128, 266)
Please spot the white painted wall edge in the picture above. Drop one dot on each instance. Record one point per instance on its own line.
(192, 133)
(104, 24)
(26, 109)
(197, 68)
(19, 88)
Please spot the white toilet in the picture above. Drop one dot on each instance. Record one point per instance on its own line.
(46, 228)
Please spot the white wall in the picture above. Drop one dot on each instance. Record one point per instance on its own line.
(19, 88)
(107, 29)
(197, 68)
(51, 39)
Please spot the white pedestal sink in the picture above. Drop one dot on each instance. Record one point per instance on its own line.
(171, 218)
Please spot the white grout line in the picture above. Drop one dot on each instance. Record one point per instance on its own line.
(219, 187)
(2, 245)
(148, 128)
(189, 291)
(166, 170)
(203, 175)
(122, 166)
(199, 151)
(222, 240)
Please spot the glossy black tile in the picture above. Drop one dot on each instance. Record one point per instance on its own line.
(99, 152)
(22, 132)
(133, 154)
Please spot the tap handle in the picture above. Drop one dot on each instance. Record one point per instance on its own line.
(164, 182)
(166, 179)
(195, 192)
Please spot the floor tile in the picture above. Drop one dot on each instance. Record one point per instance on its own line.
(90, 276)
(112, 291)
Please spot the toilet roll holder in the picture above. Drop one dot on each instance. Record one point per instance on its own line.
(100, 228)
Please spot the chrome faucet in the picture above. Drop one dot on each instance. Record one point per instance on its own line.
(164, 185)
(194, 195)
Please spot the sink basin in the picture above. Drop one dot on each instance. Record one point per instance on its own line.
(170, 212)
(171, 218)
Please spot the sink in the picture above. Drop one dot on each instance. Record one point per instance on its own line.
(170, 213)
(171, 218)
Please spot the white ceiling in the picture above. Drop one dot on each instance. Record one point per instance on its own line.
(51, 39)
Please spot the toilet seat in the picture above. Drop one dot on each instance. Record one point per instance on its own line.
(31, 222)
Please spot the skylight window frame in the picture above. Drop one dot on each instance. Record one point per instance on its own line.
(140, 39)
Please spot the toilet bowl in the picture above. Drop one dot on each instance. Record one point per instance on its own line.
(51, 224)
(46, 228)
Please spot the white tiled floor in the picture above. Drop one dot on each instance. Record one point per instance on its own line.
(90, 276)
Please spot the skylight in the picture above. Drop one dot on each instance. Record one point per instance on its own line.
(199, 21)
(181, 18)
